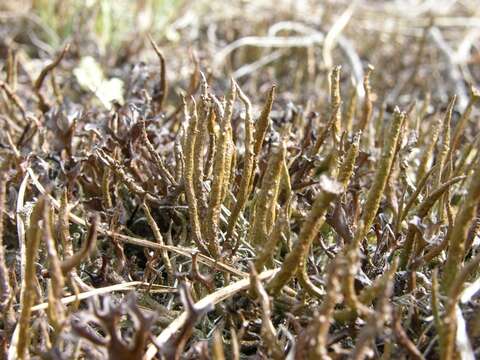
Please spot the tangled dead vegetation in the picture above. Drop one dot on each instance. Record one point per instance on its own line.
(222, 221)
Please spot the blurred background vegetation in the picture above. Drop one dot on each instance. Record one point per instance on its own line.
(112, 22)
(293, 42)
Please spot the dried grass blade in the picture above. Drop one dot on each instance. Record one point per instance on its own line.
(209, 300)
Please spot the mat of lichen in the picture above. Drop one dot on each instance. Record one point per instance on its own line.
(249, 181)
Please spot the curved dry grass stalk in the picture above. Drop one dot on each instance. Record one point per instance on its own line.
(334, 32)
(21, 223)
(127, 286)
(248, 69)
(208, 301)
(267, 42)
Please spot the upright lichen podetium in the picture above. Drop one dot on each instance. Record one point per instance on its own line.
(28, 293)
(188, 175)
(458, 235)
(248, 163)
(372, 203)
(330, 190)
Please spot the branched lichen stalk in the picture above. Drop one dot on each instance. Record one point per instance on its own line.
(261, 127)
(348, 165)
(5, 288)
(159, 238)
(215, 201)
(458, 236)
(462, 123)
(335, 99)
(268, 333)
(443, 148)
(433, 133)
(383, 168)
(56, 310)
(200, 142)
(267, 249)
(230, 146)
(351, 110)
(372, 203)
(44, 107)
(71, 262)
(450, 320)
(321, 323)
(188, 178)
(329, 191)
(162, 85)
(248, 161)
(28, 294)
(367, 102)
(266, 201)
(157, 160)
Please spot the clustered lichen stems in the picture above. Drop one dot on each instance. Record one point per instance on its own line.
(332, 219)
(220, 161)
(345, 173)
(264, 210)
(189, 184)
